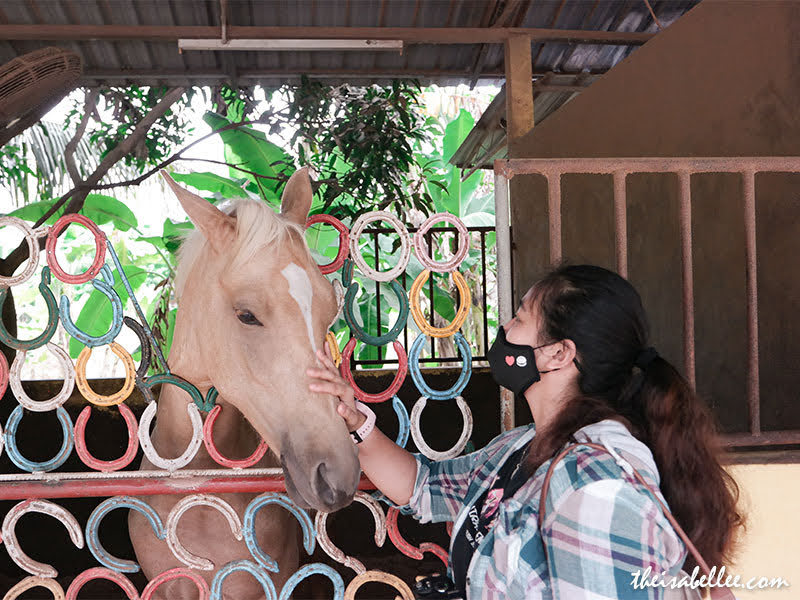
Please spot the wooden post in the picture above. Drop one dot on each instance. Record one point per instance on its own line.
(519, 89)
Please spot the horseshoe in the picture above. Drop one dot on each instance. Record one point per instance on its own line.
(182, 554)
(344, 241)
(314, 569)
(101, 573)
(406, 548)
(245, 566)
(36, 467)
(15, 378)
(117, 397)
(260, 502)
(330, 338)
(99, 242)
(338, 289)
(402, 370)
(106, 288)
(404, 510)
(34, 582)
(405, 245)
(52, 318)
(208, 440)
(176, 573)
(380, 577)
(144, 344)
(93, 530)
(10, 537)
(461, 315)
(416, 434)
(404, 421)
(421, 246)
(359, 332)
(170, 464)
(106, 465)
(320, 522)
(145, 386)
(31, 237)
(5, 374)
(419, 381)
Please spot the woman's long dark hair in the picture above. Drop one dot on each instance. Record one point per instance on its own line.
(603, 315)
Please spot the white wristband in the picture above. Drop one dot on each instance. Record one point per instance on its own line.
(360, 434)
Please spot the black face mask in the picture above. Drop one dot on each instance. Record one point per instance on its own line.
(514, 365)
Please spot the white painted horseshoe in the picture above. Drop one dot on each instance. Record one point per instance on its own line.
(416, 433)
(10, 537)
(320, 523)
(339, 291)
(15, 380)
(31, 235)
(34, 582)
(181, 553)
(421, 246)
(170, 464)
(405, 245)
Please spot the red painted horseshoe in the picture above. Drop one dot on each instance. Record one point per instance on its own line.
(107, 465)
(99, 242)
(404, 546)
(4, 374)
(344, 241)
(101, 573)
(399, 378)
(208, 440)
(176, 573)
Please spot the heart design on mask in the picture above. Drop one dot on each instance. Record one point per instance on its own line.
(510, 361)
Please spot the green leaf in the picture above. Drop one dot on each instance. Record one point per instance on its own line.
(174, 233)
(456, 132)
(104, 209)
(211, 182)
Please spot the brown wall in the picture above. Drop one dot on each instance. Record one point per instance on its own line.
(724, 80)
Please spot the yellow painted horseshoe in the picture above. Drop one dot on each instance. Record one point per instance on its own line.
(334, 346)
(380, 577)
(461, 315)
(115, 398)
(34, 582)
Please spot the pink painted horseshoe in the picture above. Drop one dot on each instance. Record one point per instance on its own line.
(211, 448)
(34, 582)
(107, 465)
(4, 374)
(406, 548)
(402, 371)
(10, 537)
(101, 573)
(172, 574)
(99, 242)
(344, 241)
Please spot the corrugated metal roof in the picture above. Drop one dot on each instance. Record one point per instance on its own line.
(159, 62)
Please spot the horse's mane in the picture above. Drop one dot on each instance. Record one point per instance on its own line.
(257, 225)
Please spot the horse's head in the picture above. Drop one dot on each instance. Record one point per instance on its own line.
(253, 309)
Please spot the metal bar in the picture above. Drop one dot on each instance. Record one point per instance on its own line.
(685, 207)
(766, 438)
(429, 235)
(753, 378)
(378, 291)
(621, 223)
(504, 290)
(545, 166)
(485, 347)
(411, 35)
(554, 215)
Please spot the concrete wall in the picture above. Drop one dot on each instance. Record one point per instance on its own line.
(724, 80)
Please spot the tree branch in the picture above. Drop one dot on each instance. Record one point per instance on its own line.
(89, 107)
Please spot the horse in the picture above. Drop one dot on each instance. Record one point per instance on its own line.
(253, 308)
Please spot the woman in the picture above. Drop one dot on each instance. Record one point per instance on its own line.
(577, 350)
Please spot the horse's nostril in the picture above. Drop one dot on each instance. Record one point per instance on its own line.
(325, 491)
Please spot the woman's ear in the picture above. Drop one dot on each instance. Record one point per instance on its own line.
(560, 354)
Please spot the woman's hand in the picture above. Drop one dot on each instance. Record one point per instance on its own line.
(329, 381)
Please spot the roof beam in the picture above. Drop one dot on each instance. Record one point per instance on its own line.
(410, 35)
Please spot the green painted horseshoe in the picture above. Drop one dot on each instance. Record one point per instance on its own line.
(146, 387)
(358, 332)
(52, 318)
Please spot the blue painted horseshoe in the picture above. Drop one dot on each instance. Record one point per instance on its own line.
(105, 288)
(403, 420)
(93, 530)
(52, 318)
(404, 510)
(416, 374)
(307, 571)
(250, 530)
(245, 566)
(358, 332)
(36, 467)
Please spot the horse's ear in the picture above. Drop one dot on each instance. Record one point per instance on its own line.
(217, 227)
(297, 197)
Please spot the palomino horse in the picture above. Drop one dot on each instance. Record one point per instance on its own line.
(253, 309)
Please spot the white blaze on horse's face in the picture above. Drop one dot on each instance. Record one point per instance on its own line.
(253, 307)
(302, 292)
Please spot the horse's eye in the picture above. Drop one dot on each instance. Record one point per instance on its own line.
(248, 318)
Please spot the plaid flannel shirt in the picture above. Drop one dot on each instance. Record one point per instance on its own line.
(600, 526)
